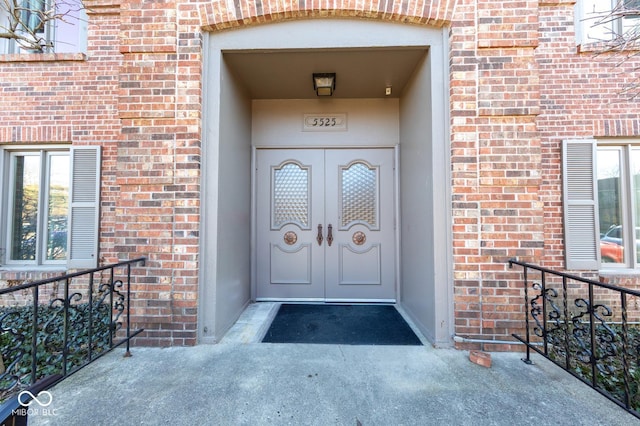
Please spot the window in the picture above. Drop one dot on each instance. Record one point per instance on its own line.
(50, 206)
(66, 33)
(604, 20)
(602, 204)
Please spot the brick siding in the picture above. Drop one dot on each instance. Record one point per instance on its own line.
(519, 85)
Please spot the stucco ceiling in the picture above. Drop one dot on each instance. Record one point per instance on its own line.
(287, 74)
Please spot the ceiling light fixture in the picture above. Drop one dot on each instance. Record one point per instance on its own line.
(324, 83)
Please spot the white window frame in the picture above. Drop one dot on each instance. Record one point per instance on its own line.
(582, 233)
(68, 35)
(587, 13)
(43, 197)
(83, 211)
(626, 24)
(627, 198)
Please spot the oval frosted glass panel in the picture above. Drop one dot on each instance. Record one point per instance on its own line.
(359, 195)
(290, 196)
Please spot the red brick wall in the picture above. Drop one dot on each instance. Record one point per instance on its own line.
(518, 86)
(581, 96)
(159, 106)
(496, 160)
(69, 98)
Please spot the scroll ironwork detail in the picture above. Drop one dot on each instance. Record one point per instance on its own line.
(584, 327)
(79, 322)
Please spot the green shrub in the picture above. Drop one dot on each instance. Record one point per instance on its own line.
(16, 340)
(609, 371)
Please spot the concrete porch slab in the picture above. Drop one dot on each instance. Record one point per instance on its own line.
(242, 382)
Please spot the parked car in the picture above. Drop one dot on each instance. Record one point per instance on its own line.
(611, 247)
(613, 235)
(611, 252)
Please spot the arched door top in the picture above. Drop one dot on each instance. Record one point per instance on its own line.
(217, 16)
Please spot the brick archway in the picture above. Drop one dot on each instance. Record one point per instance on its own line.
(219, 16)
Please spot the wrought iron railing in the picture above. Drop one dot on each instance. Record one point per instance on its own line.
(588, 328)
(61, 324)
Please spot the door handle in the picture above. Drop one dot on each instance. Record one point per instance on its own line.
(329, 234)
(319, 236)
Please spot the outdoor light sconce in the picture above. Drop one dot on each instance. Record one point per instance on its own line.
(324, 83)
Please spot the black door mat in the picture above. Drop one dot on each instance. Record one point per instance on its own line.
(340, 324)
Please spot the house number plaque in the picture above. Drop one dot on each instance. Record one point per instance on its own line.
(324, 122)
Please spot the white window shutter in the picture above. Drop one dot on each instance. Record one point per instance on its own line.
(84, 208)
(580, 200)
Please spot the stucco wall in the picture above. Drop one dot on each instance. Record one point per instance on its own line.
(371, 122)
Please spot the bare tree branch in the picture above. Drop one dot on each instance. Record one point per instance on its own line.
(623, 40)
(28, 22)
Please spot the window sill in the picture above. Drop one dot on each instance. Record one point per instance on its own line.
(606, 46)
(32, 268)
(619, 272)
(42, 57)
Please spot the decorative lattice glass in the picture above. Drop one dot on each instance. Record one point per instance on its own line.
(360, 195)
(290, 196)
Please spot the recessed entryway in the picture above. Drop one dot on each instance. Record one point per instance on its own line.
(253, 100)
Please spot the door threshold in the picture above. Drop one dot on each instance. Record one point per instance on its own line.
(294, 299)
(318, 300)
(360, 301)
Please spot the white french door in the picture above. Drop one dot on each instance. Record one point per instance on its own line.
(325, 224)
